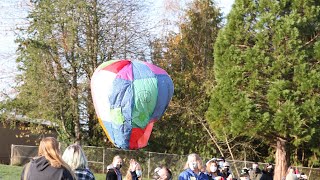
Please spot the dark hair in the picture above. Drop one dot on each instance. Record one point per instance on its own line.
(222, 159)
(169, 173)
(156, 175)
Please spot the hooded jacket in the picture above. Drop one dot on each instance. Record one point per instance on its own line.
(113, 173)
(40, 169)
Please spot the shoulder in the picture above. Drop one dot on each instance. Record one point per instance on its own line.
(66, 174)
(25, 170)
(184, 174)
(84, 174)
(111, 171)
(203, 176)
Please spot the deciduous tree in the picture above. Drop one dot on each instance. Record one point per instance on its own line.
(58, 53)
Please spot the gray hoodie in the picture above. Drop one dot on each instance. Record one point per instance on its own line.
(40, 169)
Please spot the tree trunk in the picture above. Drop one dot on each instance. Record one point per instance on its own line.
(282, 159)
(75, 104)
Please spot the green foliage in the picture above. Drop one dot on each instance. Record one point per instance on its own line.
(188, 60)
(49, 61)
(266, 59)
(58, 53)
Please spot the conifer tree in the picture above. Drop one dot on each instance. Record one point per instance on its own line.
(188, 60)
(267, 73)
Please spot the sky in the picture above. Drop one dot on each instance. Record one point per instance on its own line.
(13, 16)
(225, 5)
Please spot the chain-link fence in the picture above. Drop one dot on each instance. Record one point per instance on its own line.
(100, 157)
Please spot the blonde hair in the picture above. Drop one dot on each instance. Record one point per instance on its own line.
(75, 157)
(198, 159)
(137, 166)
(49, 148)
(129, 176)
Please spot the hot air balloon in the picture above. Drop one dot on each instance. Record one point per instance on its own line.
(129, 96)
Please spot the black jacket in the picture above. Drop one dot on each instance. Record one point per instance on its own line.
(266, 175)
(40, 169)
(134, 175)
(111, 175)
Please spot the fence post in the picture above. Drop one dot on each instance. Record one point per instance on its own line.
(149, 169)
(11, 154)
(103, 154)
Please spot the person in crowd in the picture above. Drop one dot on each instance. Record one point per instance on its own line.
(297, 173)
(225, 171)
(220, 162)
(212, 170)
(162, 173)
(76, 159)
(192, 169)
(113, 170)
(213, 159)
(244, 175)
(134, 172)
(255, 172)
(268, 172)
(303, 176)
(291, 174)
(48, 164)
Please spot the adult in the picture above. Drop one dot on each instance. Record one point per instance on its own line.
(192, 169)
(220, 162)
(255, 172)
(162, 173)
(303, 176)
(225, 171)
(291, 174)
(244, 174)
(113, 170)
(76, 159)
(48, 164)
(268, 172)
(212, 170)
(134, 172)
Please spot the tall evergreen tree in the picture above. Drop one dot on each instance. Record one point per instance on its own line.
(188, 59)
(267, 73)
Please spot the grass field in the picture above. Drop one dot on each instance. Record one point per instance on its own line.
(13, 173)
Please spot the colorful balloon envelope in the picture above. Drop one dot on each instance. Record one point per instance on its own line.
(129, 97)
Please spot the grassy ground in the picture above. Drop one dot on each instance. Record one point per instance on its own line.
(14, 172)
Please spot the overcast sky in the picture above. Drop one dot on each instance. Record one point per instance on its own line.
(12, 16)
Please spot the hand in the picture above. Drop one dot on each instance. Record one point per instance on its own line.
(133, 165)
